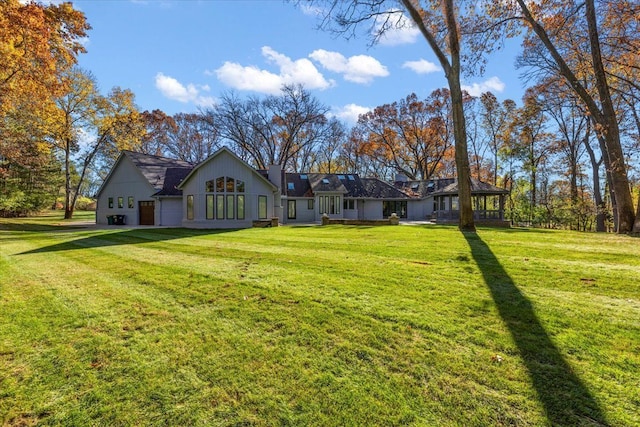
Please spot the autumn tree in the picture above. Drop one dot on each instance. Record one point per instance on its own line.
(158, 126)
(87, 124)
(495, 118)
(565, 38)
(410, 137)
(37, 43)
(533, 144)
(571, 124)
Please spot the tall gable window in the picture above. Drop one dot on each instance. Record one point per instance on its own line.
(226, 198)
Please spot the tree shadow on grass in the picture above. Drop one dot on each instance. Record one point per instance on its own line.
(125, 237)
(566, 400)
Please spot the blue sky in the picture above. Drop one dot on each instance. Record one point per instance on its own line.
(180, 55)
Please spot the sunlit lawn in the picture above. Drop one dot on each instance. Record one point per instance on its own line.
(323, 326)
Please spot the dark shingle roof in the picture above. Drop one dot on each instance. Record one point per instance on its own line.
(477, 187)
(162, 173)
(325, 182)
(351, 185)
(172, 178)
(423, 188)
(378, 189)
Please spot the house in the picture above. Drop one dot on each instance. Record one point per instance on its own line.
(224, 191)
(308, 196)
(141, 188)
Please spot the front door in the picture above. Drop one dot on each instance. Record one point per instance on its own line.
(147, 212)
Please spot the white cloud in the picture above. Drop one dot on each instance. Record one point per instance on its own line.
(403, 30)
(311, 10)
(301, 71)
(493, 84)
(422, 66)
(357, 69)
(350, 112)
(173, 89)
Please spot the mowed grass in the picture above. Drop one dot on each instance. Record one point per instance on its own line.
(317, 326)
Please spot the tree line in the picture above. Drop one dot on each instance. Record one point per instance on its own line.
(567, 153)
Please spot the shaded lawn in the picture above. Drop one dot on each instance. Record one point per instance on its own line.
(317, 326)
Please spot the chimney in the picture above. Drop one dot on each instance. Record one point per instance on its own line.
(274, 173)
(400, 177)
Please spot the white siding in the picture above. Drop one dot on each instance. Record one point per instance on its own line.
(303, 213)
(227, 165)
(168, 211)
(124, 181)
(372, 209)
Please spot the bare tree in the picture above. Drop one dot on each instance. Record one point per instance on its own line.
(275, 129)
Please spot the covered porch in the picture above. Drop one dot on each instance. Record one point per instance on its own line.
(488, 204)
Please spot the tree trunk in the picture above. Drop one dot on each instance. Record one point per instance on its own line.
(605, 117)
(611, 131)
(636, 225)
(459, 126)
(68, 207)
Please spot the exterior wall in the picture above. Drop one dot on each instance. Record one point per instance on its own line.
(225, 164)
(420, 210)
(372, 209)
(125, 181)
(338, 197)
(303, 213)
(351, 213)
(168, 211)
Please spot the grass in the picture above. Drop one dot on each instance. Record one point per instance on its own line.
(319, 326)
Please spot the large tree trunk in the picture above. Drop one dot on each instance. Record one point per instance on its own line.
(620, 181)
(603, 114)
(459, 126)
(68, 206)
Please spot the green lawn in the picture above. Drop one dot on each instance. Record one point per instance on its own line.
(320, 326)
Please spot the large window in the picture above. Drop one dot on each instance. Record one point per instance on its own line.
(349, 204)
(329, 204)
(398, 207)
(291, 209)
(210, 206)
(190, 207)
(226, 198)
(262, 207)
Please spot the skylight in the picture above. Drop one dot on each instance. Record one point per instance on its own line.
(351, 178)
(325, 181)
(303, 176)
(341, 177)
(291, 186)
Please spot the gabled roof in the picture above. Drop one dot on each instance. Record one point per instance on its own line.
(325, 182)
(218, 153)
(162, 173)
(154, 168)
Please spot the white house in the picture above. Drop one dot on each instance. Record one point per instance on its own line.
(224, 191)
(141, 190)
